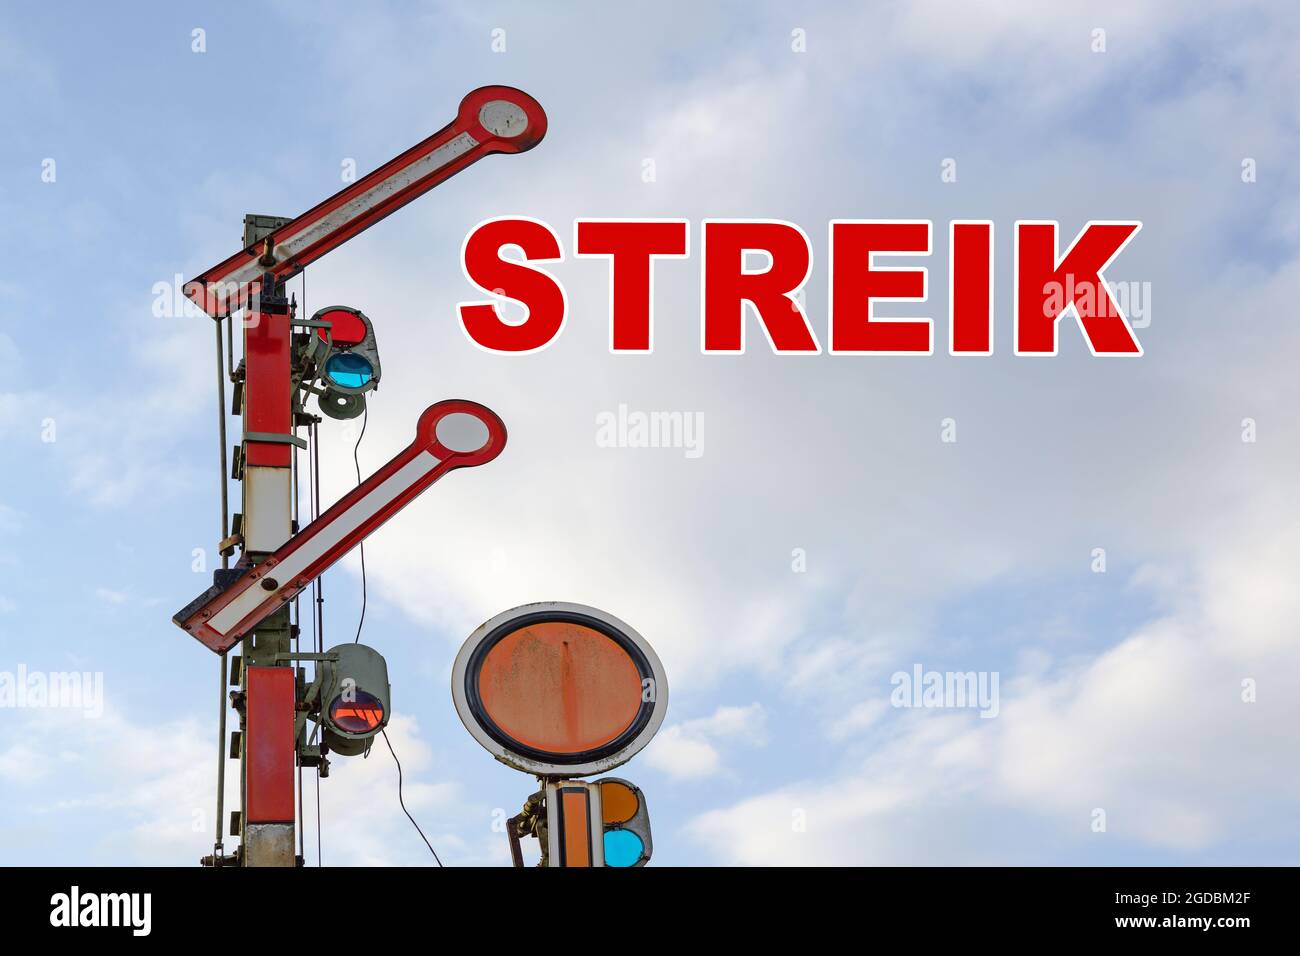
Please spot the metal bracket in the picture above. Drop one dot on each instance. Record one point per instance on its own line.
(286, 656)
(275, 438)
(258, 227)
(310, 697)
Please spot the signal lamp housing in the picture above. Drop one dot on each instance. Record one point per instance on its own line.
(355, 696)
(626, 823)
(597, 823)
(345, 356)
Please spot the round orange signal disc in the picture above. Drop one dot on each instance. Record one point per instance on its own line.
(560, 687)
(559, 690)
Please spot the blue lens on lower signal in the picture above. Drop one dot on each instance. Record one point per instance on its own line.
(348, 370)
(622, 848)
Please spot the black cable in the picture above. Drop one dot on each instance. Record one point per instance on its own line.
(314, 732)
(403, 802)
(318, 585)
(356, 462)
(318, 609)
(365, 417)
(317, 619)
(300, 817)
(222, 703)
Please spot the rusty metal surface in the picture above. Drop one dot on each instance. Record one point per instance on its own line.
(269, 844)
(560, 687)
(483, 703)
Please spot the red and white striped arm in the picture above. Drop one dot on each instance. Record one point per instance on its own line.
(450, 434)
(491, 119)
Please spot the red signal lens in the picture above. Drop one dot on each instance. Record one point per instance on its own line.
(346, 328)
(360, 716)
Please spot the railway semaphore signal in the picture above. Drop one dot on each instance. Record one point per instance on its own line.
(288, 360)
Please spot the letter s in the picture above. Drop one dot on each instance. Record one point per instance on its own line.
(540, 293)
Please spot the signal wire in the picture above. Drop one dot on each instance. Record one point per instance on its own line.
(403, 802)
(318, 615)
(301, 821)
(295, 468)
(225, 563)
(365, 417)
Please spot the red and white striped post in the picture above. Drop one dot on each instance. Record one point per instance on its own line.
(269, 686)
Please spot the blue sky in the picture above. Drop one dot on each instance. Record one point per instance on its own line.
(1120, 691)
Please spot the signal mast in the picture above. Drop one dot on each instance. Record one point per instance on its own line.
(333, 357)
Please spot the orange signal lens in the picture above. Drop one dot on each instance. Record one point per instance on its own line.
(358, 716)
(618, 802)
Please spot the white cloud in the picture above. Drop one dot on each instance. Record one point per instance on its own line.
(1154, 731)
(20, 764)
(859, 717)
(690, 750)
(363, 821)
(156, 780)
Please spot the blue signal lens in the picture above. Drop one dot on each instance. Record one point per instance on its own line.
(348, 370)
(622, 848)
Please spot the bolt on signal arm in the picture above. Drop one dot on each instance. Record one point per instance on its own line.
(491, 119)
(450, 434)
